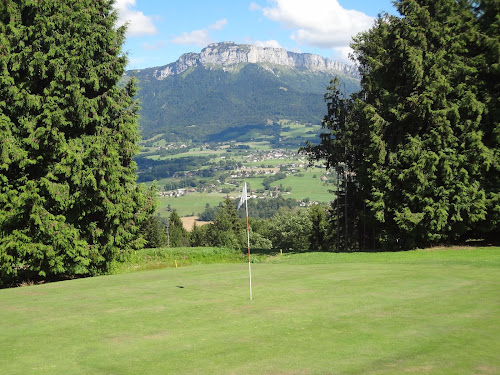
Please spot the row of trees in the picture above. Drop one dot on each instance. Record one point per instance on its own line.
(288, 229)
(257, 208)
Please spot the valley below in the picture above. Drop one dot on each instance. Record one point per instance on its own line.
(192, 178)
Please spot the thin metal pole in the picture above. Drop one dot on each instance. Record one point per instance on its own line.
(345, 208)
(248, 243)
(338, 209)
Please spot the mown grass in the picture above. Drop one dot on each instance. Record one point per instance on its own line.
(416, 312)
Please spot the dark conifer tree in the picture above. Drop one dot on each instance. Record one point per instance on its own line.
(424, 116)
(68, 198)
(317, 237)
(154, 232)
(227, 229)
(420, 140)
(487, 64)
(179, 236)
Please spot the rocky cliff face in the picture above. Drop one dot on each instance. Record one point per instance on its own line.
(227, 55)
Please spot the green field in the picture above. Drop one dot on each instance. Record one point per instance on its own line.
(308, 186)
(416, 312)
(188, 204)
(258, 146)
(300, 131)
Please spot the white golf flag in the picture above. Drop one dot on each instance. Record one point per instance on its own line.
(243, 196)
(243, 199)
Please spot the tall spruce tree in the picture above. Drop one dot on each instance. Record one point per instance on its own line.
(68, 198)
(424, 118)
(415, 137)
(487, 64)
(227, 229)
(342, 147)
(179, 236)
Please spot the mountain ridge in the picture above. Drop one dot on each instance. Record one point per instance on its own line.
(229, 54)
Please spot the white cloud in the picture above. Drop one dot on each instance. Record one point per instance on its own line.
(196, 37)
(342, 54)
(218, 25)
(267, 43)
(320, 23)
(138, 23)
(201, 37)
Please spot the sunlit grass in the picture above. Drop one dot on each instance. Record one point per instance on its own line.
(432, 312)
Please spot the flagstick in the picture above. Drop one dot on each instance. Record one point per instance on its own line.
(248, 242)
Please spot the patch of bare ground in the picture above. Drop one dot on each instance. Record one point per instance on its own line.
(189, 221)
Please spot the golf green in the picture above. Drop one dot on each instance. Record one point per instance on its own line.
(435, 312)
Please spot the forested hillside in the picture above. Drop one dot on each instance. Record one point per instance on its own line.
(203, 101)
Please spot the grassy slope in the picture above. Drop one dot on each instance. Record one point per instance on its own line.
(432, 312)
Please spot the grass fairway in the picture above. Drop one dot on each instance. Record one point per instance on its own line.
(418, 312)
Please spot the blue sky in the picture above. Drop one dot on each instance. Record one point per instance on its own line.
(161, 31)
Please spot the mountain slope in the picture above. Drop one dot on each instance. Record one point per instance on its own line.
(229, 85)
